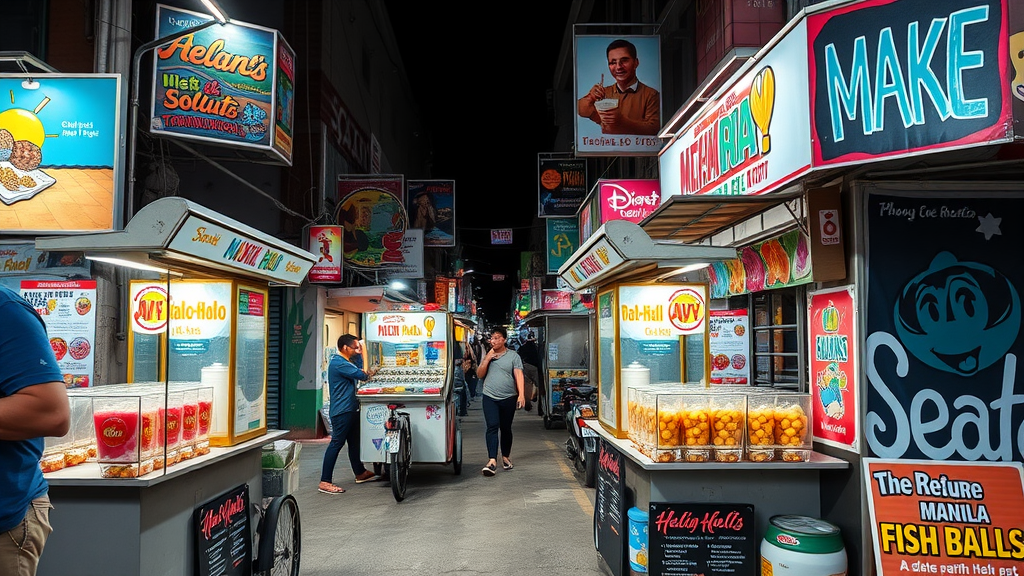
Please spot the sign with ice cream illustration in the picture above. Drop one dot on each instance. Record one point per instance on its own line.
(775, 263)
(221, 84)
(59, 141)
(831, 326)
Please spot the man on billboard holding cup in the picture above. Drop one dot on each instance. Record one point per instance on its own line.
(627, 106)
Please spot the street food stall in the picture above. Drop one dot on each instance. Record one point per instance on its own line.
(189, 422)
(563, 339)
(668, 435)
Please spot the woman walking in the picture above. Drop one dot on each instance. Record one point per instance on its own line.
(501, 370)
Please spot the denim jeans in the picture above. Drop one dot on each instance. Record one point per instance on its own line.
(498, 415)
(344, 428)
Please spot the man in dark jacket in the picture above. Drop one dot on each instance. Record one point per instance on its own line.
(530, 354)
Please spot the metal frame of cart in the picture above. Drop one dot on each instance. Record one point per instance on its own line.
(564, 339)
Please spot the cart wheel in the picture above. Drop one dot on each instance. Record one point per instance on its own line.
(457, 452)
(540, 406)
(548, 423)
(378, 468)
(589, 467)
(280, 539)
(400, 465)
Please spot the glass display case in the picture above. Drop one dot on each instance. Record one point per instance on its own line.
(412, 351)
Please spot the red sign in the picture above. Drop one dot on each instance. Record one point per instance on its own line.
(556, 300)
(631, 200)
(831, 318)
(931, 517)
(501, 236)
(325, 241)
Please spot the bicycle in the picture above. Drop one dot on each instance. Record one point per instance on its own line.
(398, 449)
(278, 537)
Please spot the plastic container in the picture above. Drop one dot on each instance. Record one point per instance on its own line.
(728, 423)
(280, 468)
(638, 540)
(802, 546)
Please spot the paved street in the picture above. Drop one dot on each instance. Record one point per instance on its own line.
(534, 519)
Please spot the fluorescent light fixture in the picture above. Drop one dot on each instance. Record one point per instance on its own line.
(131, 264)
(399, 285)
(692, 267)
(216, 11)
(29, 84)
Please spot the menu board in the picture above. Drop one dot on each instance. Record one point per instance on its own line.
(690, 538)
(609, 507)
(729, 337)
(68, 309)
(223, 535)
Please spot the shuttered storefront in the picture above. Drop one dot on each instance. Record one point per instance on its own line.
(274, 359)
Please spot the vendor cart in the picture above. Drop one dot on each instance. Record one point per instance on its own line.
(563, 339)
(413, 352)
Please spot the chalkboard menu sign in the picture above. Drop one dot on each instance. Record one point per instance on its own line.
(609, 507)
(223, 535)
(690, 539)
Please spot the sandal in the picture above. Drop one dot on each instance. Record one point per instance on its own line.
(330, 489)
(506, 464)
(489, 470)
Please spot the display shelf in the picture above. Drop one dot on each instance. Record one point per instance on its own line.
(88, 474)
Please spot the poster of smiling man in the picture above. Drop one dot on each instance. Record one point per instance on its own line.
(945, 274)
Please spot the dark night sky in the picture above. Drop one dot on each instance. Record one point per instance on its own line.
(468, 65)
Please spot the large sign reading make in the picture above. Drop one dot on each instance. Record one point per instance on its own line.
(230, 85)
(894, 79)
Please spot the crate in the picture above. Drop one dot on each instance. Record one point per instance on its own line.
(281, 480)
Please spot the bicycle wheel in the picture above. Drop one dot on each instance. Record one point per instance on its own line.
(457, 450)
(400, 464)
(280, 539)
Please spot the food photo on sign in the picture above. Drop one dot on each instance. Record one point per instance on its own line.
(374, 224)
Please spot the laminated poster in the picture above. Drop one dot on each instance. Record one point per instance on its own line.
(69, 312)
(729, 341)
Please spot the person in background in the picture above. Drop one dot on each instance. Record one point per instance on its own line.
(33, 404)
(459, 381)
(341, 376)
(470, 360)
(502, 372)
(531, 368)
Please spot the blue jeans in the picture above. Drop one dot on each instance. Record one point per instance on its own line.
(471, 381)
(498, 416)
(344, 428)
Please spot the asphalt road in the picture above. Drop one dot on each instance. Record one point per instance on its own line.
(532, 520)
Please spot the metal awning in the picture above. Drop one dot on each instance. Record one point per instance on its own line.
(175, 234)
(364, 299)
(620, 249)
(466, 322)
(694, 218)
(537, 317)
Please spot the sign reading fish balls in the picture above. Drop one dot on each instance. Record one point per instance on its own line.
(662, 312)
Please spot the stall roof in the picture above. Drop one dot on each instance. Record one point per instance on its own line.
(694, 218)
(465, 321)
(537, 317)
(364, 299)
(176, 234)
(621, 250)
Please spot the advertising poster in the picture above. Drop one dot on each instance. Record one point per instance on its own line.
(775, 263)
(374, 222)
(1017, 60)
(831, 326)
(431, 208)
(412, 256)
(218, 84)
(559, 380)
(21, 259)
(250, 409)
(945, 272)
(892, 79)
(618, 95)
(556, 300)
(59, 141)
(631, 200)
(69, 311)
(325, 244)
(501, 236)
(563, 185)
(729, 346)
(199, 319)
(392, 183)
(695, 538)
(563, 239)
(284, 98)
(946, 517)
(753, 136)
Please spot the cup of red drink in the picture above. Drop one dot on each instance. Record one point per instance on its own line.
(205, 411)
(117, 423)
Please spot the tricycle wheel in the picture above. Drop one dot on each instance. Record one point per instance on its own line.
(457, 451)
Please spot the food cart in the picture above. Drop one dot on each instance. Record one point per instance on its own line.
(195, 310)
(652, 368)
(563, 339)
(413, 351)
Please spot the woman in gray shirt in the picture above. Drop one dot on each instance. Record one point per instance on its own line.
(501, 371)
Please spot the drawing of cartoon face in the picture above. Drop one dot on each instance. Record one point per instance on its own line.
(958, 317)
(1017, 58)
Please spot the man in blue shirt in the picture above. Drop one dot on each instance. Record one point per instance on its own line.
(33, 404)
(341, 376)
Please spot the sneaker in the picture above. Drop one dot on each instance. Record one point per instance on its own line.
(489, 470)
(366, 476)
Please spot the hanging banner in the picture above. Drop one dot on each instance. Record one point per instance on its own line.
(563, 237)
(220, 85)
(325, 242)
(831, 328)
(892, 79)
(729, 346)
(631, 200)
(501, 236)
(775, 263)
(60, 139)
(662, 311)
(431, 208)
(556, 300)
(618, 95)
(374, 222)
(412, 256)
(946, 517)
(563, 185)
(945, 270)
(69, 311)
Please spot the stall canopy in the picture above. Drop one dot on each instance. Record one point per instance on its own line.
(537, 317)
(621, 250)
(364, 299)
(694, 218)
(175, 234)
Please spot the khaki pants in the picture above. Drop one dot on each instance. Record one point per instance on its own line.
(21, 547)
